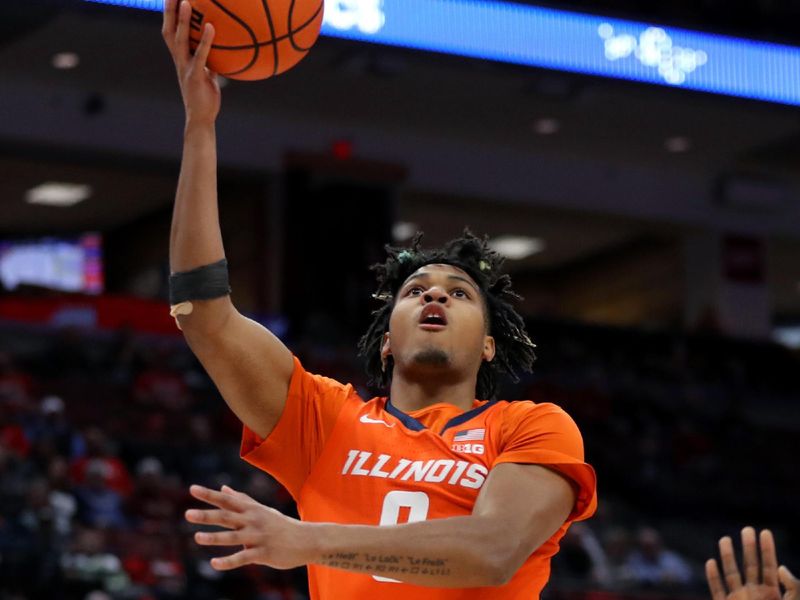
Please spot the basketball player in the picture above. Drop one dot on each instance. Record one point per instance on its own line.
(426, 493)
(761, 577)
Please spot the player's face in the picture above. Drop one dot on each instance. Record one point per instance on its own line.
(439, 321)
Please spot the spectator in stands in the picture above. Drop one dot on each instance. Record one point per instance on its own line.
(617, 544)
(582, 559)
(159, 386)
(154, 504)
(154, 562)
(62, 500)
(99, 505)
(652, 565)
(89, 565)
(52, 426)
(100, 449)
(37, 516)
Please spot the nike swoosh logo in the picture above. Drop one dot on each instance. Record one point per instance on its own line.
(366, 419)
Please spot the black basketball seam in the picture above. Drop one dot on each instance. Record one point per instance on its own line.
(293, 32)
(272, 33)
(249, 30)
(267, 43)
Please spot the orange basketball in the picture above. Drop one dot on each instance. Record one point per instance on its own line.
(256, 39)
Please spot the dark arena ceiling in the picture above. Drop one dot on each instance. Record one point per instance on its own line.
(467, 130)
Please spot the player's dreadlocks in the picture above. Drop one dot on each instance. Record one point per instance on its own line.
(513, 348)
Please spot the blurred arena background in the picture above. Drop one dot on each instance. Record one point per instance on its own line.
(654, 231)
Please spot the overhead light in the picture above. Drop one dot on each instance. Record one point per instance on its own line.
(66, 60)
(403, 231)
(517, 247)
(678, 144)
(546, 126)
(58, 194)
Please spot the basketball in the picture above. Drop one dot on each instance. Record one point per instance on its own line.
(256, 39)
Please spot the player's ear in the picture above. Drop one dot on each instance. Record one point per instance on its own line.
(386, 347)
(488, 348)
(386, 351)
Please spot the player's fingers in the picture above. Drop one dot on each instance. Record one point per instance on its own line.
(204, 47)
(715, 585)
(168, 24)
(240, 559)
(750, 555)
(729, 567)
(181, 43)
(229, 490)
(222, 518)
(790, 582)
(216, 498)
(769, 559)
(223, 538)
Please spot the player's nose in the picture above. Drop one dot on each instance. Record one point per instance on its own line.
(435, 294)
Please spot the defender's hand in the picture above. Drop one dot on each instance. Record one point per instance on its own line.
(199, 86)
(269, 537)
(761, 580)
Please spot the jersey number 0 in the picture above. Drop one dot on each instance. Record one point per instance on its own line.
(417, 504)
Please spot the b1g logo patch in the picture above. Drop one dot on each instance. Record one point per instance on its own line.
(468, 448)
(464, 441)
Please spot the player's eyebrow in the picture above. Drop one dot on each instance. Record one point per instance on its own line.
(451, 276)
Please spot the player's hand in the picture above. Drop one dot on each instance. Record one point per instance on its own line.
(269, 537)
(199, 85)
(761, 579)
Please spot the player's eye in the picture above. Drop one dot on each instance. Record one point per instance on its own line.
(414, 291)
(459, 293)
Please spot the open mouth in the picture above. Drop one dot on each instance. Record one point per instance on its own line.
(433, 317)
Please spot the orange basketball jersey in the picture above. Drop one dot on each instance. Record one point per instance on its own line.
(348, 461)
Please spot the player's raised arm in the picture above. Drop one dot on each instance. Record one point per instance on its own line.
(249, 365)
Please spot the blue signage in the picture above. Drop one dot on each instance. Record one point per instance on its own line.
(567, 41)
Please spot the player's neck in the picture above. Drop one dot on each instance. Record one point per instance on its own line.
(410, 394)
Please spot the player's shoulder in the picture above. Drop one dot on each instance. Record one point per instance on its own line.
(520, 409)
(525, 422)
(540, 416)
